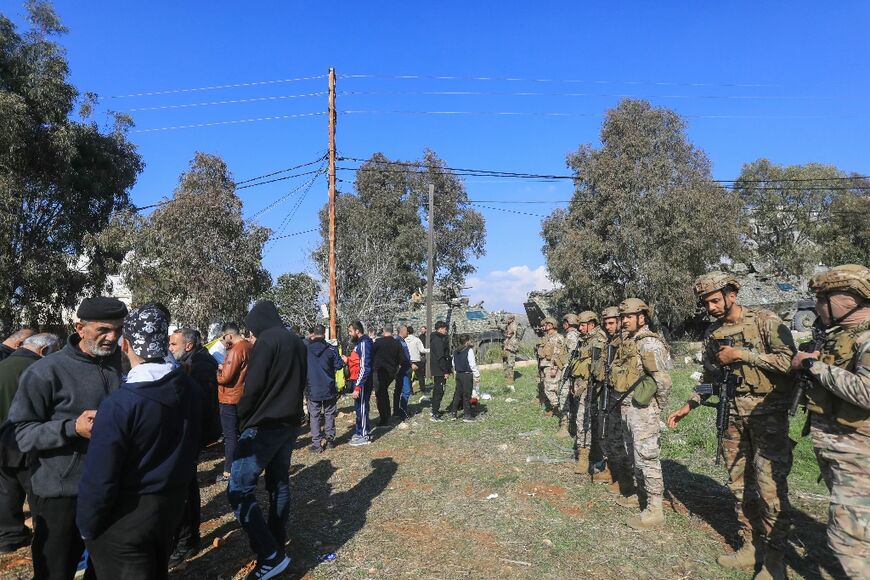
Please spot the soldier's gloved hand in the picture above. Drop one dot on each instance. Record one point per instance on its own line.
(728, 355)
(800, 356)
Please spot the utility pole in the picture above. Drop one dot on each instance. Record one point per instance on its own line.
(333, 322)
(430, 272)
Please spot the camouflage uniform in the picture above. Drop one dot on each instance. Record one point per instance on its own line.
(756, 447)
(584, 373)
(839, 403)
(511, 345)
(612, 443)
(644, 357)
(552, 356)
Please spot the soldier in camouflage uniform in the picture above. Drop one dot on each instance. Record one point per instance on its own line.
(838, 401)
(552, 357)
(592, 341)
(511, 345)
(617, 470)
(756, 447)
(570, 324)
(641, 377)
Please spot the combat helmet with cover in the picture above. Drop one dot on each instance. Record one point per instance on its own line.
(633, 306)
(852, 278)
(713, 282)
(587, 316)
(571, 319)
(610, 312)
(549, 320)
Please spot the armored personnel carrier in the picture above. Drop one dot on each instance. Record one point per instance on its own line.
(461, 317)
(787, 296)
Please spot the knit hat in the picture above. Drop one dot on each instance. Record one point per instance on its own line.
(101, 308)
(147, 330)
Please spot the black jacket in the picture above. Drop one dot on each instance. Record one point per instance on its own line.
(440, 353)
(52, 393)
(11, 369)
(387, 355)
(277, 372)
(202, 368)
(5, 351)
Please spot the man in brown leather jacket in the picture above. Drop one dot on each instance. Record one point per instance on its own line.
(231, 385)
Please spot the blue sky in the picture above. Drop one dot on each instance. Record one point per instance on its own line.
(783, 80)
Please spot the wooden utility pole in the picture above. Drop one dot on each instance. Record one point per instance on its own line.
(430, 273)
(333, 322)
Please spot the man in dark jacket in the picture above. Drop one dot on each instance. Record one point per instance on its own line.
(144, 448)
(14, 342)
(53, 412)
(323, 362)
(186, 347)
(386, 360)
(270, 412)
(14, 472)
(442, 366)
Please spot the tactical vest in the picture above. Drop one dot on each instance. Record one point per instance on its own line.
(839, 351)
(625, 370)
(583, 365)
(749, 334)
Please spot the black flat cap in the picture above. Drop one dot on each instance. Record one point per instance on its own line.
(101, 308)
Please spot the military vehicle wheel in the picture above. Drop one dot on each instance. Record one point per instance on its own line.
(803, 320)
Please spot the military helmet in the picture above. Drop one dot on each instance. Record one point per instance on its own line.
(549, 320)
(588, 316)
(846, 278)
(633, 306)
(713, 281)
(610, 312)
(571, 319)
(510, 316)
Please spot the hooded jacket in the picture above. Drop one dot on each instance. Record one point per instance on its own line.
(51, 395)
(277, 372)
(145, 440)
(323, 363)
(439, 350)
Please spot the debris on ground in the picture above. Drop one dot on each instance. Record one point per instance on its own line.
(543, 459)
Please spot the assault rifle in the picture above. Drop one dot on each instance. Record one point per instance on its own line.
(604, 393)
(816, 343)
(725, 389)
(566, 373)
(587, 399)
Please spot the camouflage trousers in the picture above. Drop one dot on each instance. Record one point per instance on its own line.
(580, 392)
(551, 392)
(641, 429)
(843, 456)
(758, 456)
(508, 361)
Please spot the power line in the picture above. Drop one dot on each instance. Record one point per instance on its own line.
(292, 213)
(545, 80)
(285, 178)
(235, 122)
(217, 87)
(607, 95)
(504, 209)
(289, 194)
(301, 165)
(579, 114)
(226, 102)
(291, 235)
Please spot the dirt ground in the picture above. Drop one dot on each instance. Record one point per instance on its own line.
(496, 498)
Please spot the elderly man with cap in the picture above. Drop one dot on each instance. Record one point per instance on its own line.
(142, 454)
(641, 378)
(53, 411)
(552, 358)
(756, 347)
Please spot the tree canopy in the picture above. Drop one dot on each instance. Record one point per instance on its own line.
(63, 182)
(196, 254)
(296, 296)
(645, 218)
(381, 237)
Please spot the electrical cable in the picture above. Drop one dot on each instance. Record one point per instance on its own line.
(234, 122)
(217, 87)
(227, 102)
(571, 81)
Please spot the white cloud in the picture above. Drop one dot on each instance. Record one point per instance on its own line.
(507, 289)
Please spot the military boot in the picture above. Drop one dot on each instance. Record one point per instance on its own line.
(651, 518)
(743, 559)
(563, 429)
(624, 484)
(582, 466)
(629, 501)
(603, 476)
(773, 567)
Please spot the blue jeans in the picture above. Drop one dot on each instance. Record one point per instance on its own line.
(230, 426)
(401, 394)
(262, 449)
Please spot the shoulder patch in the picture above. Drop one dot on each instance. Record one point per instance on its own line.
(648, 360)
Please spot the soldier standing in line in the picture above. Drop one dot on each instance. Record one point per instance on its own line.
(511, 345)
(570, 325)
(590, 339)
(641, 377)
(756, 447)
(617, 470)
(838, 402)
(553, 356)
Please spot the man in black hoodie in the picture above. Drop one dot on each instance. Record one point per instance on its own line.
(442, 366)
(53, 411)
(270, 411)
(143, 452)
(386, 360)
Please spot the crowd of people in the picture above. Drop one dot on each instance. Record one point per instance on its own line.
(615, 379)
(102, 435)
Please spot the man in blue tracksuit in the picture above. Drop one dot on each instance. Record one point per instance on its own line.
(362, 391)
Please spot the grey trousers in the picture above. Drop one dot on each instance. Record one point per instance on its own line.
(322, 411)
